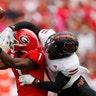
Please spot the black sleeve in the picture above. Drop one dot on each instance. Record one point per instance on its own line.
(28, 25)
(56, 86)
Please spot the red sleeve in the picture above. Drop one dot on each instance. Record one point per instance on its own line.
(36, 56)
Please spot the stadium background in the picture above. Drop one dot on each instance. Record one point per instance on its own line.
(78, 16)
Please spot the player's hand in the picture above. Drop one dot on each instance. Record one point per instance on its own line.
(26, 79)
(6, 37)
(2, 12)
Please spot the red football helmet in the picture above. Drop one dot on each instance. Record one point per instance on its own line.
(26, 40)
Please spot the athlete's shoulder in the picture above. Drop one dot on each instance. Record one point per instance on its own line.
(64, 64)
(44, 34)
(73, 58)
(35, 53)
(37, 56)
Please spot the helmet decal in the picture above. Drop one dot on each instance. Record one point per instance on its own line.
(69, 46)
(24, 39)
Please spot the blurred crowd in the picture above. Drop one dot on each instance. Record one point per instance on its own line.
(78, 16)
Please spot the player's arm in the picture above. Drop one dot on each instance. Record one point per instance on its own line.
(25, 24)
(19, 63)
(56, 86)
(2, 65)
(7, 35)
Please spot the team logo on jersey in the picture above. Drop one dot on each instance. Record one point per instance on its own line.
(55, 66)
(24, 39)
(80, 82)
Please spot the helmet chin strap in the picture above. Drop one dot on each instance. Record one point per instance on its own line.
(18, 45)
(23, 51)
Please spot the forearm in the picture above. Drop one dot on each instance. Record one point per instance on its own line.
(25, 24)
(56, 86)
(2, 65)
(50, 86)
(6, 59)
(19, 63)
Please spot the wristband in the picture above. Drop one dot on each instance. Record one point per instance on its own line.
(36, 81)
(12, 27)
(0, 50)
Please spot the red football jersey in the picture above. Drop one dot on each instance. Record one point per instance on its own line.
(31, 90)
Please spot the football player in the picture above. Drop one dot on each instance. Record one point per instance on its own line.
(62, 63)
(24, 57)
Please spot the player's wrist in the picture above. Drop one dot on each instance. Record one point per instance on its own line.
(36, 81)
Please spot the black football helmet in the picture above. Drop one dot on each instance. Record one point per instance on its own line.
(62, 44)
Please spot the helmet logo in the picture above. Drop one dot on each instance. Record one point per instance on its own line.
(24, 39)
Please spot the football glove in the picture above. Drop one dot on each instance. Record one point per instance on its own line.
(6, 38)
(26, 79)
